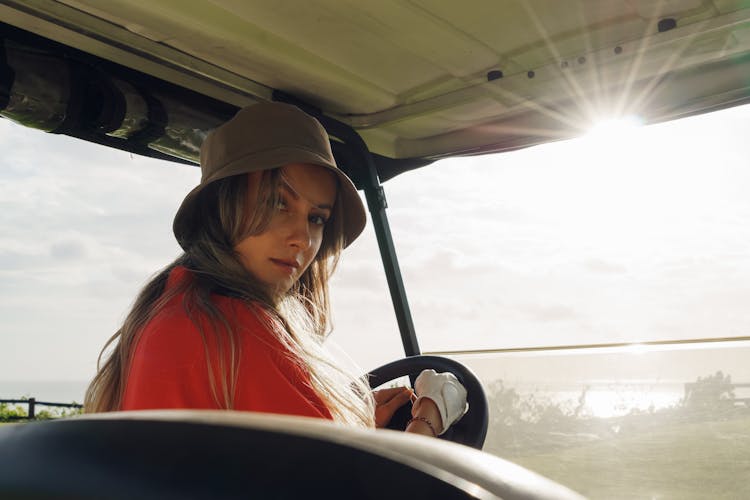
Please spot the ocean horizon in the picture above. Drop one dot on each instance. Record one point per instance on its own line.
(51, 391)
(603, 398)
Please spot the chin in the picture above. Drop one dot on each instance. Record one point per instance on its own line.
(282, 289)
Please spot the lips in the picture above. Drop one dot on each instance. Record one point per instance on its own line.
(289, 264)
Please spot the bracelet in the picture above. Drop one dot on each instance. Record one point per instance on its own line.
(426, 421)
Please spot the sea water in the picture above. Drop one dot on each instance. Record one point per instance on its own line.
(50, 391)
(610, 399)
(604, 399)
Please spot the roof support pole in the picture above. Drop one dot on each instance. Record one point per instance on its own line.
(377, 204)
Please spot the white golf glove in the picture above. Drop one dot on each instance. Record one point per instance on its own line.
(447, 393)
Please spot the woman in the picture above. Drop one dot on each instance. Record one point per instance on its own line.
(237, 321)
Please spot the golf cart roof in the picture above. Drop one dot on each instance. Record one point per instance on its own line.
(417, 80)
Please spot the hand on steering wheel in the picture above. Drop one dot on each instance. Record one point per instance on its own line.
(387, 403)
(471, 430)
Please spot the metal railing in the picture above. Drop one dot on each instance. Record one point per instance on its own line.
(31, 407)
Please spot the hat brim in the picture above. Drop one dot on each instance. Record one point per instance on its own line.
(353, 209)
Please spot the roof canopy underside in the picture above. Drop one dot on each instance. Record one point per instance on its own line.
(421, 78)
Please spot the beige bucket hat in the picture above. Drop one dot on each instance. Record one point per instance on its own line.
(264, 136)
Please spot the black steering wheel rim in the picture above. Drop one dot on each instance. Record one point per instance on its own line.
(471, 430)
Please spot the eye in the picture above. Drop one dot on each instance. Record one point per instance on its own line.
(281, 204)
(318, 220)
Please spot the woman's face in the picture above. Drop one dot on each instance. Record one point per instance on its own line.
(279, 255)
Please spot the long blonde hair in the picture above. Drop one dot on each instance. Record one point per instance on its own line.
(300, 318)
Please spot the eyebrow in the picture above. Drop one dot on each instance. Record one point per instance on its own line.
(285, 184)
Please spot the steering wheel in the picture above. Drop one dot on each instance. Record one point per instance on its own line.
(471, 429)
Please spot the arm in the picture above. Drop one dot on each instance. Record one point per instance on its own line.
(387, 401)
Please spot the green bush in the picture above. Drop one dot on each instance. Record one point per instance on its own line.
(8, 412)
(14, 412)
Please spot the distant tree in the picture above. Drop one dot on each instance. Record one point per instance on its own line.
(527, 423)
(507, 406)
(510, 408)
(710, 392)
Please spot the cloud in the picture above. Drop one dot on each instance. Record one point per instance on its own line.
(81, 229)
(69, 250)
(550, 313)
(599, 266)
(500, 251)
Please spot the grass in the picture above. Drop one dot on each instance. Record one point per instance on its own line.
(676, 461)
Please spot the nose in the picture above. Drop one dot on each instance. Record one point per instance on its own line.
(299, 232)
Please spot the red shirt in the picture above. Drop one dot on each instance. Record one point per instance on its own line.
(168, 368)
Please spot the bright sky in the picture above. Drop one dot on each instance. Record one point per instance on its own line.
(640, 234)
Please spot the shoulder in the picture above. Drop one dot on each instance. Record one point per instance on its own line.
(169, 339)
(237, 312)
(186, 326)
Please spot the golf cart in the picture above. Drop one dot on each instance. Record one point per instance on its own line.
(398, 86)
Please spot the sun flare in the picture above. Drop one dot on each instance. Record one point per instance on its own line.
(614, 128)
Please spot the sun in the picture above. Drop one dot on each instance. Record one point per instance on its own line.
(614, 129)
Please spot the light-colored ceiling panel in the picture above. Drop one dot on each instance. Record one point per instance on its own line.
(308, 59)
(341, 32)
(568, 49)
(418, 31)
(455, 118)
(512, 27)
(432, 77)
(727, 6)
(649, 9)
